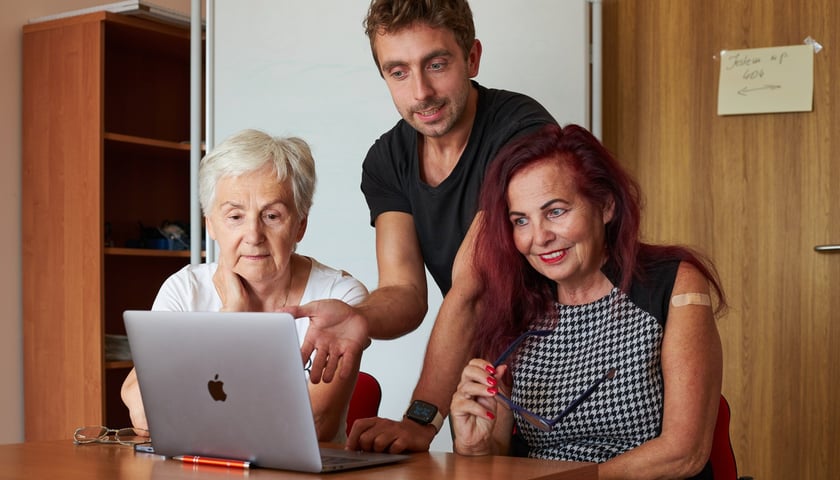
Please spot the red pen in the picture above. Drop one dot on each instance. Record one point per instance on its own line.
(216, 462)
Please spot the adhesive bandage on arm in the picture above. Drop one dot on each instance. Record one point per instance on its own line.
(684, 299)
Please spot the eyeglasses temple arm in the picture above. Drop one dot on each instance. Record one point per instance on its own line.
(583, 396)
(512, 347)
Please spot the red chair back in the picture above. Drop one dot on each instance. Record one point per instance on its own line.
(364, 403)
(723, 457)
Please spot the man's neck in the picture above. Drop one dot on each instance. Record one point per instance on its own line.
(440, 155)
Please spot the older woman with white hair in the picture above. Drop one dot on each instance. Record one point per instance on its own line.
(256, 191)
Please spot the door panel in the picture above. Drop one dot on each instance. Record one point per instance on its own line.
(757, 193)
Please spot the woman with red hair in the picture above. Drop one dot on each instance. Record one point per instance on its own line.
(605, 347)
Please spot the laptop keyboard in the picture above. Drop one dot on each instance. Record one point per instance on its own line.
(327, 460)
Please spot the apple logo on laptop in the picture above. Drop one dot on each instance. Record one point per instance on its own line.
(216, 388)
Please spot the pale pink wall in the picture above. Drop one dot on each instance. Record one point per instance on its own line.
(16, 13)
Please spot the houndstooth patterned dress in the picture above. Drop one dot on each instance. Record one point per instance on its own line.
(549, 372)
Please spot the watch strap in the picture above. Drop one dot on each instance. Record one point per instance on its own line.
(436, 422)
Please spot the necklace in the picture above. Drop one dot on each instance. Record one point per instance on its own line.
(291, 276)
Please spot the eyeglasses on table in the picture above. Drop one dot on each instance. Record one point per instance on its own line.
(543, 423)
(100, 434)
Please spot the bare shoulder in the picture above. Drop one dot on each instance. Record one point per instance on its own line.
(690, 280)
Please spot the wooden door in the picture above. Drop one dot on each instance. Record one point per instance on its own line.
(757, 192)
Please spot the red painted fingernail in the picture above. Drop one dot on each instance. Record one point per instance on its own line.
(490, 415)
(492, 390)
(490, 369)
(491, 381)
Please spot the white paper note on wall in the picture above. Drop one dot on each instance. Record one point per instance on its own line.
(766, 80)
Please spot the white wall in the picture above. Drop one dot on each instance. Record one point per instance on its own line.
(304, 68)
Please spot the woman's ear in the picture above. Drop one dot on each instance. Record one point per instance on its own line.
(609, 210)
(302, 228)
(210, 231)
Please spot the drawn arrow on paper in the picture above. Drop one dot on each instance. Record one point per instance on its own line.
(744, 91)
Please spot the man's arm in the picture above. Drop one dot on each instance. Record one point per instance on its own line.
(449, 349)
(400, 301)
(338, 330)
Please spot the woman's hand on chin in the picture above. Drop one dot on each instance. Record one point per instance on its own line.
(230, 288)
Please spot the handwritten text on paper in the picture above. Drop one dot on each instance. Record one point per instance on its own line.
(764, 80)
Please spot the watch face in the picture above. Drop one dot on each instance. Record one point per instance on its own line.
(422, 411)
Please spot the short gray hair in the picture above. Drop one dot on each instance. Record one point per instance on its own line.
(250, 150)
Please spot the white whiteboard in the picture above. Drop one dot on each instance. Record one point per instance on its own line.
(304, 68)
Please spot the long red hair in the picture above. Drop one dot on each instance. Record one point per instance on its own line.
(514, 292)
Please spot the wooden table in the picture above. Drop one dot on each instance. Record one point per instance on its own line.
(62, 459)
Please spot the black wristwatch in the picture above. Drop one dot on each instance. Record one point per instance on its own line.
(425, 413)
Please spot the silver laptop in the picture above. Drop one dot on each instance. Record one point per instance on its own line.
(231, 385)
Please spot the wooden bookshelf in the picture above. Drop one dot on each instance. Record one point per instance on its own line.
(105, 119)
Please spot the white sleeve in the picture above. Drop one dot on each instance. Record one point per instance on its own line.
(327, 282)
(349, 290)
(190, 289)
(174, 293)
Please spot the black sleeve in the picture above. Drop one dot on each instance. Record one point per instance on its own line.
(383, 174)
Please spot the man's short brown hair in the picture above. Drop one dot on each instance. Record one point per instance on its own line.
(390, 16)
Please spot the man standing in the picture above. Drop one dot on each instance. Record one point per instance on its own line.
(421, 181)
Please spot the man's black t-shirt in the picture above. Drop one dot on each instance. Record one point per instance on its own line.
(442, 214)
